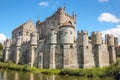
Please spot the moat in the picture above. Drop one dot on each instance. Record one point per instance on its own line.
(15, 75)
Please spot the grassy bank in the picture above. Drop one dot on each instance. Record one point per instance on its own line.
(112, 70)
(13, 66)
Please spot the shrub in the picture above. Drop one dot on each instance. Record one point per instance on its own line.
(26, 68)
(69, 72)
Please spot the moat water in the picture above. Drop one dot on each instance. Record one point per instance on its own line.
(15, 75)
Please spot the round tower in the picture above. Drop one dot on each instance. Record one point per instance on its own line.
(67, 33)
(53, 37)
(110, 40)
(83, 37)
(96, 38)
(6, 51)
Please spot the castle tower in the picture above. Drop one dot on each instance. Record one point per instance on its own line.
(98, 48)
(33, 45)
(84, 50)
(116, 41)
(83, 38)
(112, 52)
(18, 49)
(96, 38)
(52, 45)
(66, 39)
(110, 40)
(6, 51)
(61, 12)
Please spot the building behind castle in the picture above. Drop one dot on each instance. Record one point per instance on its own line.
(53, 44)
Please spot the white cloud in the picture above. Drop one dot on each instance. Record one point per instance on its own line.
(2, 38)
(115, 31)
(43, 3)
(108, 17)
(101, 1)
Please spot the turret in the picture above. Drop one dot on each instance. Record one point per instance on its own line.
(83, 38)
(6, 51)
(53, 37)
(18, 49)
(61, 12)
(52, 45)
(110, 40)
(67, 33)
(96, 38)
(33, 45)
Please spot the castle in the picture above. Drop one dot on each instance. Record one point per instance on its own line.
(53, 44)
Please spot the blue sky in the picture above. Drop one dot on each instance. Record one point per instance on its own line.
(92, 15)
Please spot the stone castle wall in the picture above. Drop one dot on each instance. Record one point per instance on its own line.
(52, 44)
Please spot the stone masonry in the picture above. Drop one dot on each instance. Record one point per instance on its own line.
(53, 44)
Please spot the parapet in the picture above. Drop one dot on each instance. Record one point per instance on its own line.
(82, 32)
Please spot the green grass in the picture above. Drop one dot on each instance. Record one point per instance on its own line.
(112, 70)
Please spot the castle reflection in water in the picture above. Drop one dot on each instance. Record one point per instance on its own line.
(18, 75)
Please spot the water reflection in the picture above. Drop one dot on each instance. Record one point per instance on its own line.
(15, 75)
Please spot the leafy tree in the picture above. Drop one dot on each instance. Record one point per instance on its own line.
(1, 46)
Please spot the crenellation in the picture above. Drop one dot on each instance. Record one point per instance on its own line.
(53, 44)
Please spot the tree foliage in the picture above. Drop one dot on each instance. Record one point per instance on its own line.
(1, 46)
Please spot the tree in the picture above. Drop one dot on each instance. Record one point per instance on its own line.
(1, 46)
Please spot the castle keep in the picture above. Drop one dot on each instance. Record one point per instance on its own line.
(53, 44)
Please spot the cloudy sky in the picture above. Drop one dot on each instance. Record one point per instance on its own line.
(92, 15)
